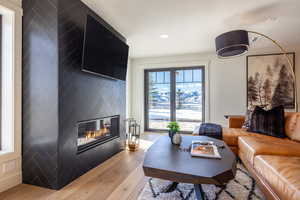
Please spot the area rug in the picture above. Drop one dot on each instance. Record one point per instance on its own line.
(243, 187)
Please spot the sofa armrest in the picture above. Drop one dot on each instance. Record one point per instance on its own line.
(236, 121)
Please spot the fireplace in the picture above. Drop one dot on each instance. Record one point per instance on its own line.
(94, 132)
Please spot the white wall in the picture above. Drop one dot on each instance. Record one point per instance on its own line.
(10, 154)
(128, 88)
(17, 2)
(227, 82)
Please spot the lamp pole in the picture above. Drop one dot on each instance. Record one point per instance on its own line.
(289, 61)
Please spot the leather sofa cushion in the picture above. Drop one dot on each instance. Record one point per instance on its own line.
(282, 173)
(231, 135)
(249, 147)
(292, 126)
(236, 121)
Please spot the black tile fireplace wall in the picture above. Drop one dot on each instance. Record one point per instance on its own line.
(57, 94)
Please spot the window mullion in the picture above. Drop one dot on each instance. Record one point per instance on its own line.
(173, 94)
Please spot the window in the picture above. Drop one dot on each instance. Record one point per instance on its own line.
(174, 94)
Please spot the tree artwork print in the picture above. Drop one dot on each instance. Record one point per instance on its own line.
(269, 81)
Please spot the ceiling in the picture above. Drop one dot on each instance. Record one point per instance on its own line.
(192, 25)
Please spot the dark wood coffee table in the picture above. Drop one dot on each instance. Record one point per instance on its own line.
(171, 162)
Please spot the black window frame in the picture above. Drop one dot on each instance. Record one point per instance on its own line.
(172, 71)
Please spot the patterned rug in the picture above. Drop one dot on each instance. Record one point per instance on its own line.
(243, 187)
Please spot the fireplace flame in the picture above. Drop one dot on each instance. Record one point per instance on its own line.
(94, 134)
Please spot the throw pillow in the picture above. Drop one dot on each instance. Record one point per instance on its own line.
(246, 124)
(269, 122)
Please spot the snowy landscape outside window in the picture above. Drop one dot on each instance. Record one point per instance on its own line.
(174, 94)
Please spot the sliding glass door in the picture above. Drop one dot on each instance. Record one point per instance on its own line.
(158, 100)
(174, 94)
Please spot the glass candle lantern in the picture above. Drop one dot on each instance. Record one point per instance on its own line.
(133, 134)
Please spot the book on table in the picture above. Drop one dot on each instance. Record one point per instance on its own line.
(205, 149)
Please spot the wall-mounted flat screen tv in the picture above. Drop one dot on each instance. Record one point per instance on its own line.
(104, 53)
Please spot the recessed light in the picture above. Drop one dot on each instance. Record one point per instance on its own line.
(164, 36)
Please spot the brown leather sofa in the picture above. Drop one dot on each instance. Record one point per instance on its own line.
(273, 162)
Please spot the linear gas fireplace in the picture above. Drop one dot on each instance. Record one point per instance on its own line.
(94, 132)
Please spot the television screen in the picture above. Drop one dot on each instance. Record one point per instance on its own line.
(103, 52)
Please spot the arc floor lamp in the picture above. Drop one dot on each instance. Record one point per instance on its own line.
(236, 43)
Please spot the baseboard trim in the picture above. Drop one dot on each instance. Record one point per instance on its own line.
(10, 181)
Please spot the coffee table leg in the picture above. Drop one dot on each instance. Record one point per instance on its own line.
(170, 188)
(200, 195)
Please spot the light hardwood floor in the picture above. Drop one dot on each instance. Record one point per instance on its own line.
(119, 178)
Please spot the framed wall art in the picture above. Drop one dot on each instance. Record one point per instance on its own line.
(269, 81)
